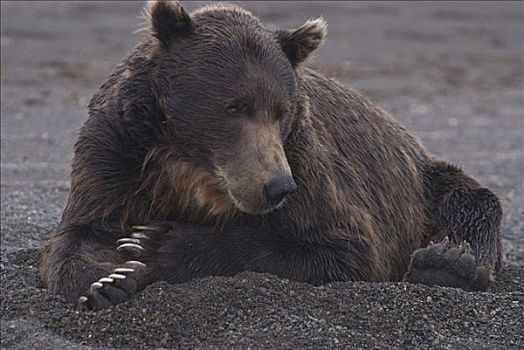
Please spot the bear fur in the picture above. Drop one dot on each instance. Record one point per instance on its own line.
(211, 106)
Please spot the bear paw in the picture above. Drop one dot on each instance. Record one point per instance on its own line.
(444, 265)
(116, 288)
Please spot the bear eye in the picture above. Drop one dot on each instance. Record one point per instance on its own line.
(237, 107)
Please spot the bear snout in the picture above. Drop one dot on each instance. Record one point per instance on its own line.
(278, 188)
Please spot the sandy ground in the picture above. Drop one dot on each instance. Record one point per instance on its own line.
(452, 72)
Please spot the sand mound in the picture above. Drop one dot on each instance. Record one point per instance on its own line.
(263, 311)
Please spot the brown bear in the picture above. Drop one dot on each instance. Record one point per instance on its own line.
(233, 156)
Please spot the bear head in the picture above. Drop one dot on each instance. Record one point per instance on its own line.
(227, 92)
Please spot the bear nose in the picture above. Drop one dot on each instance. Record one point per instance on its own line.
(276, 189)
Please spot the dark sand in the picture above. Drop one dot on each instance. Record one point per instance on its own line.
(262, 311)
(451, 72)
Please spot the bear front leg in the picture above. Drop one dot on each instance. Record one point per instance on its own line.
(178, 252)
(469, 216)
(74, 259)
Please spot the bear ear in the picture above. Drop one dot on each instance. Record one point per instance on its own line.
(167, 20)
(298, 44)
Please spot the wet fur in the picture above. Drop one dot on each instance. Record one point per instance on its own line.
(368, 193)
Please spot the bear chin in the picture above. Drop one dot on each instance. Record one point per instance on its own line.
(254, 211)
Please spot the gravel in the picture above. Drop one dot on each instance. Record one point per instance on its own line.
(259, 311)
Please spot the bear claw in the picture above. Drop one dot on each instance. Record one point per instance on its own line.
(135, 264)
(133, 248)
(148, 228)
(119, 270)
(142, 227)
(139, 235)
(96, 285)
(128, 240)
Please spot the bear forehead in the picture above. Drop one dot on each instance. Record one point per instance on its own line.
(231, 24)
(225, 13)
(238, 47)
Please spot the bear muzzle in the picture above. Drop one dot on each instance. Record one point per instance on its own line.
(278, 188)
